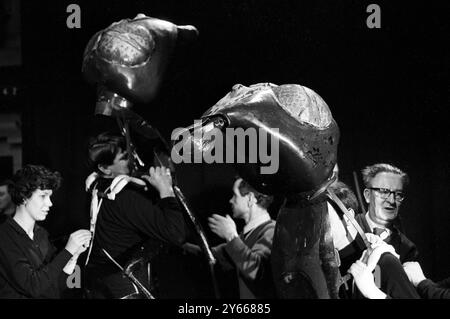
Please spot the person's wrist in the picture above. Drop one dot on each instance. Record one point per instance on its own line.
(75, 256)
(71, 250)
(166, 193)
(417, 282)
(232, 236)
(377, 294)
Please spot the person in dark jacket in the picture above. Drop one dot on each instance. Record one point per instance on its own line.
(384, 191)
(427, 288)
(127, 216)
(29, 264)
(249, 252)
(360, 262)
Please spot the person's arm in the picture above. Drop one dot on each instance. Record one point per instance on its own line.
(35, 282)
(444, 283)
(365, 282)
(406, 248)
(426, 288)
(162, 220)
(24, 277)
(222, 257)
(70, 266)
(430, 290)
(250, 261)
(362, 271)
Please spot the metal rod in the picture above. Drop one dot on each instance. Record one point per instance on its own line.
(204, 242)
(130, 276)
(358, 193)
(331, 195)
(199, 229)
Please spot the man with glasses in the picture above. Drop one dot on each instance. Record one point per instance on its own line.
(384, 194)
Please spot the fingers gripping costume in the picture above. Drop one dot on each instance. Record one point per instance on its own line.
(301, 123)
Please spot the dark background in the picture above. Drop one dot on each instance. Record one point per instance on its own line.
(387, 89)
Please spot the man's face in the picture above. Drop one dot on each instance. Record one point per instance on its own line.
(383, 211)
(119, 165)
(239, 203)
(38, 205)
(5, 198)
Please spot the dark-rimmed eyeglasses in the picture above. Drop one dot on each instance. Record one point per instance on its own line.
(384, 193)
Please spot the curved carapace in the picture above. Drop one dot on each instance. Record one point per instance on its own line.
(298, 125)
(127, 61)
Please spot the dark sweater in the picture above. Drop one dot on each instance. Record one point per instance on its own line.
(29, 268)
(124, 223)
(431, 290)
(249, 254)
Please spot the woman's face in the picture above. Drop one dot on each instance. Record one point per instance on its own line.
(38, 205)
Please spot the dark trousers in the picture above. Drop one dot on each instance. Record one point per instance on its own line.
(393, 279)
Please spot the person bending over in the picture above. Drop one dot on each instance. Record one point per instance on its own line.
(127, 216)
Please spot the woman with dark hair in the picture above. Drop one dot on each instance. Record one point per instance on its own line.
(29, 267)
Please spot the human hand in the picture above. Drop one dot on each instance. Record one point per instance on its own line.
(377, 247)
(161, 179)
(223, 227)
(414, 272)
(371, 256)
(373, 239)
(365, 281)
(78, 241)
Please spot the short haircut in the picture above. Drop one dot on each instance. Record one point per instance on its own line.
(30, 178)
(371, 171)
(262, 200)
(346, 195)
(103, 149)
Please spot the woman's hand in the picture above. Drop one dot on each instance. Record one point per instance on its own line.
(78, 241)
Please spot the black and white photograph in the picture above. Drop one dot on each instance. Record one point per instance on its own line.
(224, 150)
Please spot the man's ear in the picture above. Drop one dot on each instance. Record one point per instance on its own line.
(251, 199)
(104, 170)
(367, 195)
